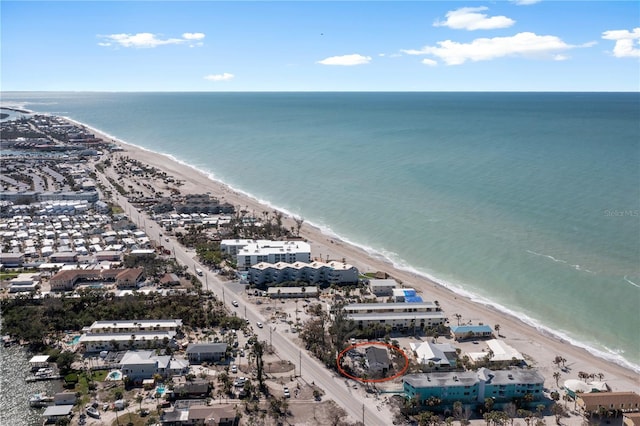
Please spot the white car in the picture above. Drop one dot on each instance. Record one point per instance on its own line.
(286, 392)
(259, 324)
(234, 368)
(235, 303)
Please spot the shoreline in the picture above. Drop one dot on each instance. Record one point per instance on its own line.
(524, 333)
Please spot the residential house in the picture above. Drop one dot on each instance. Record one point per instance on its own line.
(464, 332)
(377, 360)
(64, 257)
(11, 260)
(24, 283)
(383, 287)
(197, 388)
(498, 351)
(201, 414)
(129, 278)
(169, 280)
(435, 355)
(140, 365)
(206, 352)
(65, 398)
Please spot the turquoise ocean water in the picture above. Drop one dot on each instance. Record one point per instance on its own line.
(526, 201)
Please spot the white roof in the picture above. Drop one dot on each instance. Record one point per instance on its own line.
(501, 352)
(39, 359)
(576, 386)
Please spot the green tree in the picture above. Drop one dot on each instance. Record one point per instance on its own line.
(64, 361)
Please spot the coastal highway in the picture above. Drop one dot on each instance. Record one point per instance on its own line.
(336, 387)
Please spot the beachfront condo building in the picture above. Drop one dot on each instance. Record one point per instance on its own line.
(473, 387)
(250, 252)
(265, 274)
(398, 316)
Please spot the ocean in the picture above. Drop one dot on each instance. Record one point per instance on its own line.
(529, 202)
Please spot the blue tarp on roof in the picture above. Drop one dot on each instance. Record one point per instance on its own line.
(413, 299)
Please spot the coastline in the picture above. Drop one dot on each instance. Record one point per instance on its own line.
(540, 344)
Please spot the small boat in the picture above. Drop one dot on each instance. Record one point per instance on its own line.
(40, 400)
(93, 412)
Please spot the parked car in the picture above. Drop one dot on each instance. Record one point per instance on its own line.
(286, 392)
(235, 303)
(234, 368)
(259, 324)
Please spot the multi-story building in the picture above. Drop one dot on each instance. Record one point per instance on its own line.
(67, 279)
(251, 252)
(470, 387)
(116, 335)
(397, 315)
(339, 273)
(597, 402)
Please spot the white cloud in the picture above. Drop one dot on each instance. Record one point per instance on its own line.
(470, 18)
(627, 42)
(430, 62)
(148, 40)
(219, 77)
(193, 36)
(346, 60)
(525, 2)
(524, 44)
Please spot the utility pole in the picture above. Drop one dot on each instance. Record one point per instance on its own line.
(300, 352)
(362, 413)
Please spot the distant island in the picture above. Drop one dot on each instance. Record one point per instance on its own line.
(24, 111)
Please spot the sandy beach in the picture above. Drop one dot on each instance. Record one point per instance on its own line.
(540, 350)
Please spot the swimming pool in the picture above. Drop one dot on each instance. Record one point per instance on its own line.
(160, 390)
(114, 375)
(75, 340)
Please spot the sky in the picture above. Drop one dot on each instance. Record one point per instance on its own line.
(518, 45)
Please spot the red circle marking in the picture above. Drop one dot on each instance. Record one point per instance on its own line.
(386, 379)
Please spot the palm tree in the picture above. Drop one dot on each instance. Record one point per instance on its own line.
(556, 376)
(458, 317)
(497, 329)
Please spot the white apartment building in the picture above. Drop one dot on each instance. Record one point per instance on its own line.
(397, 315)
(133, 326)
(251, 252)
(316, 272)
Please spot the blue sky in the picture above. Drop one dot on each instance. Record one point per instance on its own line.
(524, 45)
